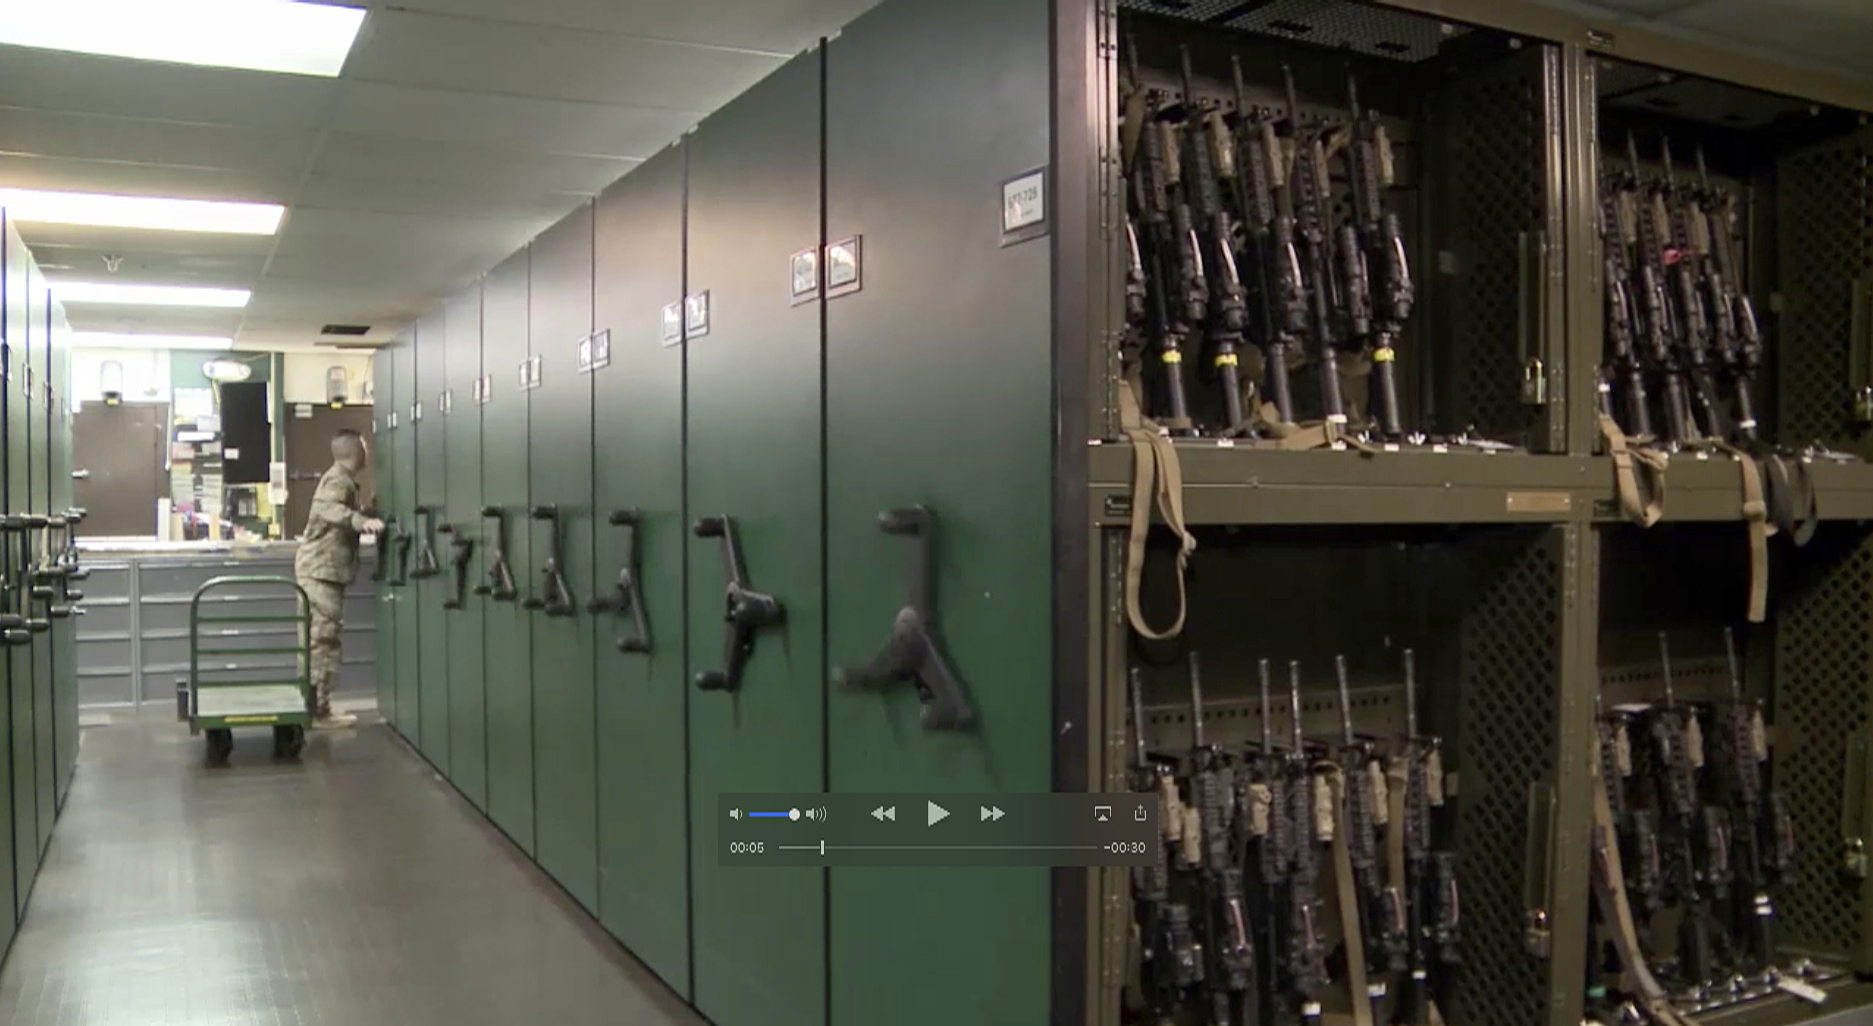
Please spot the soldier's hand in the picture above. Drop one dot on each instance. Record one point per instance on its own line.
(373, 526)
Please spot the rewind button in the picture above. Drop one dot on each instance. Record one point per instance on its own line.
(885, 812)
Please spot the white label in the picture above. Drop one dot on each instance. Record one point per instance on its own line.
(673, 323)
(696, 315)
(231, 454)
(487, 389)
(805, 269)
(302, 411)
(523, 375)
(601, 349)
(585, 354)
(1024, 202)
(842, 263)
(416, 411)
(535, 366)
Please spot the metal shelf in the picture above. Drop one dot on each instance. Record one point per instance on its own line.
(1236, 485)
(1233, 485)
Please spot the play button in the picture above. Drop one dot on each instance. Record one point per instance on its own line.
(935, 814)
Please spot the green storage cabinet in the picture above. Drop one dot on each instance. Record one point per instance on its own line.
(641, 695)
(39, 502)
(64, 631)
(507, 644)
(753, 416)
(461, 421)
(22, 814)
(429, 565)
(408, 605)
(559, 434)
(939, 393)
(383, 459)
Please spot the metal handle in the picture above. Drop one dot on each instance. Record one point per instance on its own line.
(629, 599)
(463, 548)
(1860, 350)
(500, 586)
(427, 565)
(81, 475)
(913, 652)
(1531, 326)
(558, 600)
(744, 608)
(1538, 870)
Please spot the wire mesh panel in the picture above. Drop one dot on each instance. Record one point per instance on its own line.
(1509, 683)
(1825, 252)
(1497, 235)
(1824, 677)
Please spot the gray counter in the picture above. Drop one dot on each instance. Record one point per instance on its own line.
(133, 641)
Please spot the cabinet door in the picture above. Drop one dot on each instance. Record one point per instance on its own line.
(23, 806)
(383, 446)
(507, 647)
(939, 377)
(754, 464)
(39, 501)
(429, 582)
(409, 485)
(641, 695)
(560, 436)
(468, 754)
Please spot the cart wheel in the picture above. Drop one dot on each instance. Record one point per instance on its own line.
(288, 742)
(220, 745)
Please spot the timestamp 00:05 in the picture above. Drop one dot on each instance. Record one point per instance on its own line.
(747, 847)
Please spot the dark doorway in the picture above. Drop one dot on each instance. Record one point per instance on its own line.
(309, 455)
(118, 467)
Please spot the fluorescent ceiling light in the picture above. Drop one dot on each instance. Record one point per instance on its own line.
(147, 295)
(107, 211)
(259, 35)
(107, 340)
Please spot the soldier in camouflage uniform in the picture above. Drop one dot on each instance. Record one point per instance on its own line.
(328, 561)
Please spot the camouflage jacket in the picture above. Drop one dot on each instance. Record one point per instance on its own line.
(328, 551)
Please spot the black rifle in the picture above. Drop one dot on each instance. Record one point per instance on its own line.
(1382, 925)
(1268, 208)
(1744, 748)
(1167, 240)
(1151, 889)
(1686, 257)
(1210, 159)
(1676, 778)
(1739, 339)
(1389, 292)
(1308, 182)
(1617, 233)
(1306, 955)
(1430, 887)
(1228, 977)
(1662, 351)
(1268, 841)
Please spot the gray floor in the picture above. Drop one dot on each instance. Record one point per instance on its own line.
(355, 888)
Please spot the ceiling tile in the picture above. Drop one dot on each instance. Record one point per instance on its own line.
(130, 140)
(389, 196)
(51, 80)
(84, 263)
(274, 186)
(775, 26)
(523, 60)
(511, 122)
(154, 320)
(117, 240)
(376, 156)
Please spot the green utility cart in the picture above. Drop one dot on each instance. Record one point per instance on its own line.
(269, 699)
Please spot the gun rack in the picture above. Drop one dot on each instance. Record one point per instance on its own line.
(1512, 571)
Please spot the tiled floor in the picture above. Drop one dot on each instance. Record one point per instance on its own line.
(355, 888)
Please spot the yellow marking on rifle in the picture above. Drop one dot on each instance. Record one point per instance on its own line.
(1384, 354)
(1226, 359)
(1172, 356)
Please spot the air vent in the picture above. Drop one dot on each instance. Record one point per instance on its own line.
(345, 329)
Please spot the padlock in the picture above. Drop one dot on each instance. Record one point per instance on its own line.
(1534, 382)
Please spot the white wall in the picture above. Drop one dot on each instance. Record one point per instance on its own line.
(305, 376)
(145, 374)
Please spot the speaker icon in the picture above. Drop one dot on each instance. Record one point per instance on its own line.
(734, 814)
(817, 815)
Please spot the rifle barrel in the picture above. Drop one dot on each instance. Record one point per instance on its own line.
(1196, 702)
(1261, 666)
(1294, 704)
(1411, 696)
(1346, 703)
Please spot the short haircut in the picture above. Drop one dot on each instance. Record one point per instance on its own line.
(347, 443)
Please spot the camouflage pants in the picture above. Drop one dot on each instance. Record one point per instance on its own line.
(328, 620)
